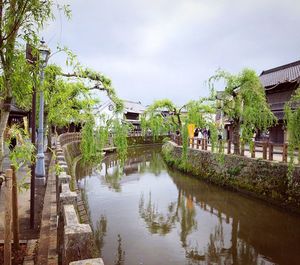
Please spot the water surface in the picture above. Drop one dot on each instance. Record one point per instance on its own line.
(147, 213)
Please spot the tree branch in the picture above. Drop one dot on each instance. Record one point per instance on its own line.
(17, 22)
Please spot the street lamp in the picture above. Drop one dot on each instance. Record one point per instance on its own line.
(44, 53)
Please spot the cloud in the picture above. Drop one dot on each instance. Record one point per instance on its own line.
(161, 48)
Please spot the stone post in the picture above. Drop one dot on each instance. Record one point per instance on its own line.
(78, 238)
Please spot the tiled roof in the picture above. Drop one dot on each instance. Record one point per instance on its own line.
(15, 108)
(131, 106)
(285, 73)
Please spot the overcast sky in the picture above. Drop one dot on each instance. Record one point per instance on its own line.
(154, 49)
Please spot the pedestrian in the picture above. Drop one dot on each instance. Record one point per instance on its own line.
(196, 132)
(220, 135)
(204, 133)
(200, 135)
(208, 136)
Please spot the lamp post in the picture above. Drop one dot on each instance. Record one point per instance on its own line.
(44, 53)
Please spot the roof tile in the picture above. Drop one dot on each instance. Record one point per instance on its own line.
(285, 73)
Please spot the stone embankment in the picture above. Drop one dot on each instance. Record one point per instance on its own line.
(267, 180)
(75, 236)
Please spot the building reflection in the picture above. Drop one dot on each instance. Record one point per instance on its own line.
(113, 173)
(252, 227)
(243, 231)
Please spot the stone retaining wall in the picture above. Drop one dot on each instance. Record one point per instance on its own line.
(259, 178)
(75, 233)
(76, 240)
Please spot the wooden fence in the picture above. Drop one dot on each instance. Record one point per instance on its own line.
(265, 150)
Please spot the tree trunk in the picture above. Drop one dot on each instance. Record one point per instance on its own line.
(49, 137)
(236, 137)
(3, 124)
(234, 245)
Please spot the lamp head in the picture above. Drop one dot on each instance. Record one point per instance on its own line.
(44, 53)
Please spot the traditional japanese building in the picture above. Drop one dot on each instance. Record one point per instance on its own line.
(280, 83)
(17, 115)
(131, 113)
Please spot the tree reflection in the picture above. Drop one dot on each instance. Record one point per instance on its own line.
(120, 255)
(157, 223)
(83, 169)
(156, 163)
(181, 212)
(100, 232)
(225, 238)
(113, 177)
(139, 161)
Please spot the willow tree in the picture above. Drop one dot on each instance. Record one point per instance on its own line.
(244, 103)
(154, 119)
(292, 120)
(69, 97)
(20, 21)
(177, 118)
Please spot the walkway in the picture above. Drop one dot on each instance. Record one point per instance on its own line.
(263, 150)
(23, 203)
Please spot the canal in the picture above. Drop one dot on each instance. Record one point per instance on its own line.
(146, 213)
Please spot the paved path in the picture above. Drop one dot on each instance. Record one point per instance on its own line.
(277, 156)
(23, 203)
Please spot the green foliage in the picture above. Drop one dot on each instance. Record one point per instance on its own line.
(213, 135)
(234, 171)
(20, 22)
(103, 83)
(120, 139)
(185, 144)
(244, 102)
(292, 121)
(23, 151)
(95, 139)
(166, 139)
(66, 101)
(88, 142)
(155, 110)
(197, 112)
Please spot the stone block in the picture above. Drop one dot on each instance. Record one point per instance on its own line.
(61, 163)
(63, 178)
(60, 157)
(67, 197)
(78, 238)
(98, 261)
(70, 216)
(64, 168)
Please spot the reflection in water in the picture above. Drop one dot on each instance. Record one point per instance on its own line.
(157, 223)
(181, 212)
(181, 220)
(120, 256)
(113, 172)
(100, 232)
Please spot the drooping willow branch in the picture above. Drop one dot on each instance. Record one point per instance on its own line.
(103, 84)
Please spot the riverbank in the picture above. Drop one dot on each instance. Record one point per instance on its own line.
(75, 231)
(259, 178)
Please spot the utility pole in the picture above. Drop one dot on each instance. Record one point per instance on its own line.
(33, 140)
(32, 60)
